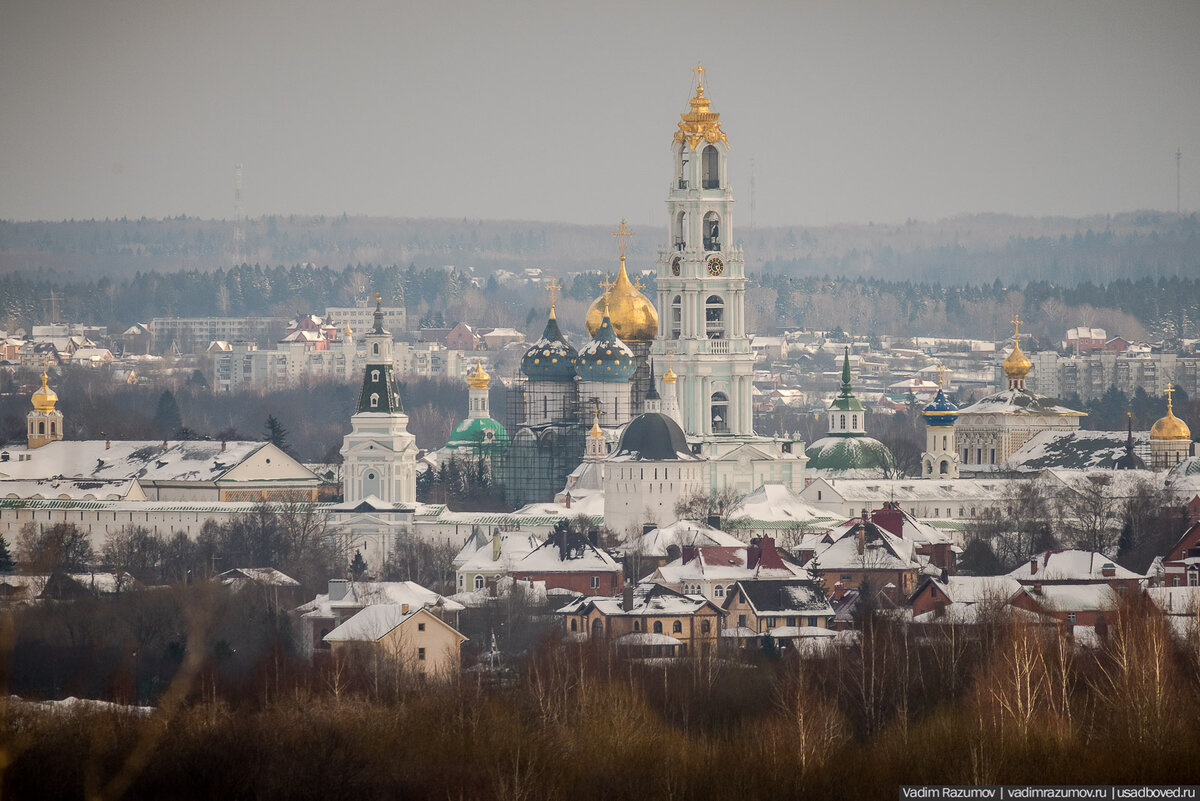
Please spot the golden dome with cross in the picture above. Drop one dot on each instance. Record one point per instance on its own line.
(1170, 427)
(632, 315)
(44, 398)
(1017, 364)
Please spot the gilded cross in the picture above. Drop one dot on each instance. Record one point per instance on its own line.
(638, 283)
(553, 287)
(941, 372)
(1016, 321)
(1170, 389)
(699, 77)
(607, 284)
(622, 233)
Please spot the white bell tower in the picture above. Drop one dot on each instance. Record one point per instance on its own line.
(702, 284)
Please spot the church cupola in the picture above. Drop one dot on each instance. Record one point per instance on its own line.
(549, 366)
(44, 424)
(847, 418)
(940, 459)
(1017, 365)
(379, 340)
(1170, 438)
(605, 366)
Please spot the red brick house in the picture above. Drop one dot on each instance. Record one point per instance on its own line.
(1181, 565)
(571, 561)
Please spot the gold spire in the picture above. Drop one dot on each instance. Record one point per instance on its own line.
(552, 288)
(1017, 365)
(669, 377)
(1170, 427)
(700, 124)
(941, 370)
(478, 377)
(596, 431)
(44, 398)
(632, 315)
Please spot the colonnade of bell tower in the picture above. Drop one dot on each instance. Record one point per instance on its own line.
(702, 282)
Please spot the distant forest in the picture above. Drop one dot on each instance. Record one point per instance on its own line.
(1157, 309)
(1134, 274)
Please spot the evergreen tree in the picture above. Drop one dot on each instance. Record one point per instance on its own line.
(166, 415)
(6, 560)
(275, 433)
(358, 566)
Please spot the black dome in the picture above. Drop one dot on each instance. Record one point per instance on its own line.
(655, 437)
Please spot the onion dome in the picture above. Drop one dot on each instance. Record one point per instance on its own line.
(605, 358)
(477, 377)
(551, 358)
(669, 377)
(941, 412)
(1017, 364)
(596, 431)
(655, 437)
(632, 314)
(44, 398)
(845, 454)
(1170, 427)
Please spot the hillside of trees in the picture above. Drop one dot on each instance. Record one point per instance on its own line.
(962, 250)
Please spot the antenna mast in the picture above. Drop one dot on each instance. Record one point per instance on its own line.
(239, 218)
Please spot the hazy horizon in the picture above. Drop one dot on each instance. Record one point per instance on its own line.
(850, 113)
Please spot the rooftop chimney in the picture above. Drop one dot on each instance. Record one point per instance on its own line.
(107, 444)
(222, 446)
(337, 589)
(404, 609)
(1108, 570)
(496, 545)
(164, 446)
(714, 520)
(1033, 566)
(889, 518)
(862, 538)
(627, 598)
(839, 590)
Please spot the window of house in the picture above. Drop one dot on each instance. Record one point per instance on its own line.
(573, 624)
(812, 620)
(1071, 618)
(637, 625)
(741, 620)
(1193, 578)
(420, 627)
(479, 582)
(705, 626)
(791, 621)
(718, 591)
(677, 627)
(658, 627)
(374, 375)
(421, 654)
(771, 622)
(374, 400)
(595, 582)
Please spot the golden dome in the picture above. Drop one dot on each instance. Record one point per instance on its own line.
(596, 431)
(701, 124)
(1170, 427)
(478, 378)
(633, 316)
(44, 398)
(669, 377)
(1017, 364)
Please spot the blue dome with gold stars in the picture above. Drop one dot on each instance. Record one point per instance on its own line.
(605, 358)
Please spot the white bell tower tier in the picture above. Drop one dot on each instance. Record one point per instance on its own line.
(702, 284)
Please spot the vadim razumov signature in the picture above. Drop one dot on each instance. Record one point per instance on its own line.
(999, 793)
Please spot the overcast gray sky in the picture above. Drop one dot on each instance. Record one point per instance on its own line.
(850, 111)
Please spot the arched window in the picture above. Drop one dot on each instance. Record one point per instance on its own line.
(718, 591)
(945, 441)
(677, 627)
(681, 230)
(685, 153)
(712, 231)
(720, 412)
(854, 422)
(714, 317)
(658, 627)
(597, 627)
(711, 164)
(944, 468)
(574, 624)
(479, 582)
(375, 348)
(374, 400)
(374, 375)
(42, 427)
(842, 421)
(676, 316)
(51, 428)
(705, 626)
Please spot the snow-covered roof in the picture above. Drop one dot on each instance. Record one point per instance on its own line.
(1016, 402)
(579, 556)
(71, 489)
(773, 503)
(372, 593)
(534, 593)
(476, 553)
(1069, 564)
(187, 460)
(646, 638)
(679, 534)
(1176, 600)
(648, 600)
(726, 563)
(882, 550)
(258, 575)
(975, 589)
(787, 597)
(372, 623)
(1074, 450)
(797, 632)
(875, 492)
(1074, 597)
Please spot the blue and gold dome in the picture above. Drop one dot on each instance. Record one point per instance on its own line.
(941, 412)
(551, 358)
(605, 358)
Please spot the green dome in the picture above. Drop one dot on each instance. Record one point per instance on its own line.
(849, 453)
(481, 433)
